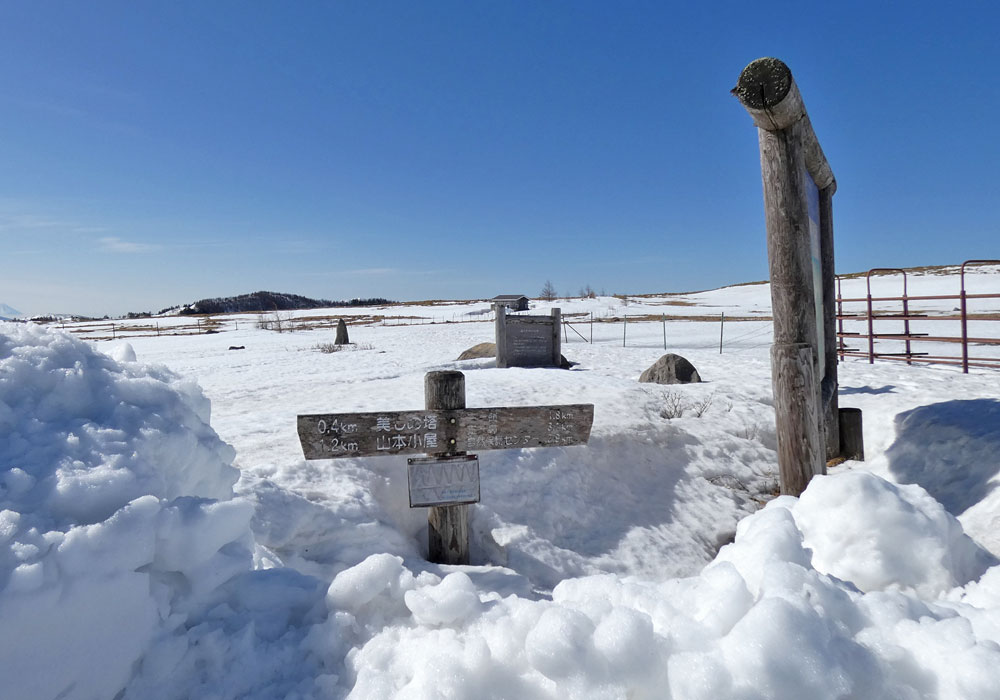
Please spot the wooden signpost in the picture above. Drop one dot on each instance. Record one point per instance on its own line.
(798, 202)
(448, 480)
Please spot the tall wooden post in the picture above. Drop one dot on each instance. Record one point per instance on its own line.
(447, 526)
(556, 337)
(794, 169)
(501, 335)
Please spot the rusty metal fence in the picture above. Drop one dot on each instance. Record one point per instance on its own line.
(897, 329)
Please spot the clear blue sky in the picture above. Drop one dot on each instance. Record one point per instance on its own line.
(154, 153)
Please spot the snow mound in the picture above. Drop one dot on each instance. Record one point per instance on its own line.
(764, 620)
(938, 555)
(116, 513)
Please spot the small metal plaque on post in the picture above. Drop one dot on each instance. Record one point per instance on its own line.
(443, 481)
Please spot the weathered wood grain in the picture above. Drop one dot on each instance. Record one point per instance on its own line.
(500, 331)
(790, 155)
(801, 453)
(447, 526)
(339, 435)
(770, 95)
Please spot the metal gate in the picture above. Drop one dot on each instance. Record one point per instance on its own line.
(898, 329)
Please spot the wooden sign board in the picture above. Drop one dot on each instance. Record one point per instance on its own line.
(816, 258)
(336, 436)
(443, 481)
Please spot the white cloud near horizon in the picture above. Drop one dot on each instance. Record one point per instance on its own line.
(113, 244)
(372, 271)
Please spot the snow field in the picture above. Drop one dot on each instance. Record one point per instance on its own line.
(128, 567)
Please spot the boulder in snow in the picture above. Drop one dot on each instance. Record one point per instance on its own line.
(670, 369)
(480, 351)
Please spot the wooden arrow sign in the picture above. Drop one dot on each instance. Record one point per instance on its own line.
(335, 436)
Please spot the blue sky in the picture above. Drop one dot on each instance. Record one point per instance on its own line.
(155, 153)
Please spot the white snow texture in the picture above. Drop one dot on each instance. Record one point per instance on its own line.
(129, 568)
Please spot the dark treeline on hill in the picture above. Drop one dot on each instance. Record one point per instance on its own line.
(270, 301)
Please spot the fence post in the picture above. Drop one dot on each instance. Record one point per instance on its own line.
(965, 325)
(624, 328)
(722, 328)
(447, 526)
(871, 324)
(840, 321)
(556, 344)
(663, 320)
(591, 327)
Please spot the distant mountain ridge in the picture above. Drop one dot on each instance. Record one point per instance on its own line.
(9, 313)
(267, 301)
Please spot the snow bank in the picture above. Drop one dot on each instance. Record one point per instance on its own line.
(789, 610)
(115, 513)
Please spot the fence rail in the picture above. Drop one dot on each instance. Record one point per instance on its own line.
(870, 316)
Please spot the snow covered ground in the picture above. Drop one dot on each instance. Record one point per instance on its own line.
(162, 537)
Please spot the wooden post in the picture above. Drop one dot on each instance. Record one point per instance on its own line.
(556, 337)
(852, 438)
(447, 526)
(501, 335)
(790, 155)
(829, 387)
(624, 328)
(796, 408)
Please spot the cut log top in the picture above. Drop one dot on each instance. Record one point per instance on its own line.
(764, 84)
(768, 91)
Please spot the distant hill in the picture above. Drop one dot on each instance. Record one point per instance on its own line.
(267, 301)
(9, 313)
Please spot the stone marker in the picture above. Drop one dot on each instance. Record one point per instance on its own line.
(671, 369)
(341, 334)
